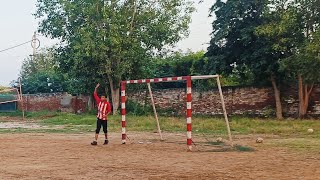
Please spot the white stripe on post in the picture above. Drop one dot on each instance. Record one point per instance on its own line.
(189, 113)
(135, 81)
(189, 135)
(128, 82)
(188, 120)
(160, 80)
(123, 112)
(143, 81)
(189, 90)
(151, 80)
(169, 79)
(188, 105)
(179, 78)
(123, 93)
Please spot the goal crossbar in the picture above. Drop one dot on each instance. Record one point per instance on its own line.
(188, 79)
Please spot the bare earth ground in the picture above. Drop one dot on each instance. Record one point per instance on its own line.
(70, 156)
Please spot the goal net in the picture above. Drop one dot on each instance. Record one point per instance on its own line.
(188, 80)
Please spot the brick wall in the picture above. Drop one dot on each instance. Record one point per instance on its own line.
(238, 100)
(290, 101)
(55, 102)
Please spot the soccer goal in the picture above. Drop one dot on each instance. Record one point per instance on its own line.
(188, 79)
(9, 98)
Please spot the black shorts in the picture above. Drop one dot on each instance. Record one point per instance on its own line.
(104, 125)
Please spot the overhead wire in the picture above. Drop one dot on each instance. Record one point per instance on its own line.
(15, 46)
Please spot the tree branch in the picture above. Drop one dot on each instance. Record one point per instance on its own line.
(133, 16)
(310, 90)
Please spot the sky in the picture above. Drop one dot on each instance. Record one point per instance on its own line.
(17, 26)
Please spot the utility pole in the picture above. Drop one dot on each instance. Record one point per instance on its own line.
(34, 43)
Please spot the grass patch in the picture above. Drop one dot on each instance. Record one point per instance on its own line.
(201, 125)
(32, 115)
(298, 144)
(215, 143)
(243, 148)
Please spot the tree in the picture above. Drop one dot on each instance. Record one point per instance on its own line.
(283, 31)
(43, 82)
(307, 61)
(305, 66)
(44, 60)
(117, 36)
(292, 29)
(39, 73)
(235, 45)
(176, 64)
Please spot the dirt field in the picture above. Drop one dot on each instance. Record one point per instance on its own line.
(70, 156)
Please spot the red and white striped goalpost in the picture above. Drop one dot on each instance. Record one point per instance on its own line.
(188, 79)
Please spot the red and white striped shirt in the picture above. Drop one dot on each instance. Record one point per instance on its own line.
(103, 107)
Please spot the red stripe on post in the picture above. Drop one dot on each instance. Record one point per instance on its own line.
(174, 78)
(189, 82)
(189, 97)
(123, 99)
(189, 113)
(147, 80)
(156, 80)
(164, 79)
(124, 136)
(123, 123)
(189, 127)
(140, 81)
(189, 142)
(131, 81)
(123, 85)
(123, 111)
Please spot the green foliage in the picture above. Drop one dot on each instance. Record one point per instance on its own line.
(44, 60)
(112, 39)
(306, 62)
(178, 64)
(235, 48)
(39, 74)
(291, 26)
(43, 82)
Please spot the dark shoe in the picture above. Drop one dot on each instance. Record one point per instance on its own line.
(106, 142)
(94, 143)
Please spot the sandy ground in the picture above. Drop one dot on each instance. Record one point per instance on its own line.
(70, 156)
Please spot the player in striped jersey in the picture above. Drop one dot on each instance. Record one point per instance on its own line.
(104, 110)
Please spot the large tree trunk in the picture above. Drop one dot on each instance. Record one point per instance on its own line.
(115, 94)
(277, 98)
(304, 97)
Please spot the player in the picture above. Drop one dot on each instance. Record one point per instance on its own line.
(104, 110)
